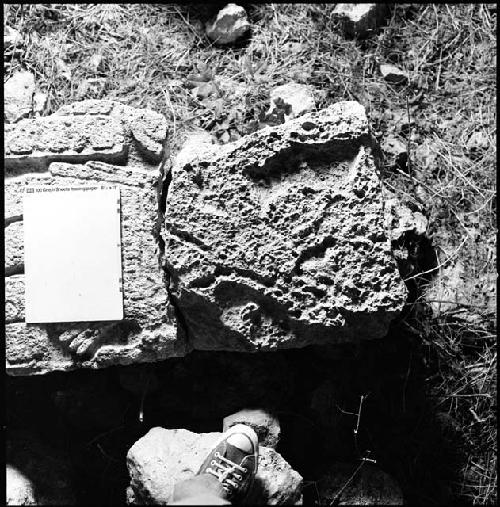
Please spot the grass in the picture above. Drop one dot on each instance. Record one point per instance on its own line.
(156, 56)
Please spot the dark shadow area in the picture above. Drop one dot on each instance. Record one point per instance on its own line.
(94, 417)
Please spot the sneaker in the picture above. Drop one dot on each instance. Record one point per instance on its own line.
(233, 467)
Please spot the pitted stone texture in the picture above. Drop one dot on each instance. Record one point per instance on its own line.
(146, 127)
(14, 298)
(278, 240)
(18, 96)
(147, 333)
(14, 246)
(33, 144)
(265, 425)
(163, 457)
(361, 19)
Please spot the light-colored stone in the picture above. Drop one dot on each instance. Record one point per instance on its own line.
(164, 457)
(395, 150)
(19, 489)
(37, 474)
(293, 98)
(32, 144)
(39, 102)
(147, 128)
(370, 486)
(361, 20)
(393, 74)
(146, 333)
(11, 37)
(18, 96)
(265, 424)
(87, 134)
(278, 240)
(477, 141)
(229, 25)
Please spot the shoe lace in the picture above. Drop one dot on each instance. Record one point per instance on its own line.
(226, 471)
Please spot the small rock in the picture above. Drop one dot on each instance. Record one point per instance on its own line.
(39, 103)
(361, 20)
(477, 141)
(229, 25)
(162, 457)
(19, 489)
(265, 425)
(11, 37)
(18, 96)
(395, 151)
(293, 99)
(37, 474)
(370, 486)
(393, 74)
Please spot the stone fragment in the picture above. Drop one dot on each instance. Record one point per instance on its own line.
(37, 474)
(370, 486)
(293, 99)
(477, 142)
(147, 333)
(33, 144)
(163, 457)
(393, 74)
(147, 127)
(18, 96)
(39, 103)
(361, 20)
(229, 25)
(19, 488)
(395, 152)
(266, 425)
(11, 37)
(278, 240)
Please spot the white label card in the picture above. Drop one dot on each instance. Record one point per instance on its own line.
(72, 254)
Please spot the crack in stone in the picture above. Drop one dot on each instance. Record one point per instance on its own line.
(164, 180)
(13, 219)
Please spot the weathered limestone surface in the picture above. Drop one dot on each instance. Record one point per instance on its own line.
(148, 331)
(163, 457)
(147, 128)
(34, 143)
(279, 240)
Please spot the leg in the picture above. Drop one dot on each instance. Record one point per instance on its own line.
(227, 474)
(202, 489)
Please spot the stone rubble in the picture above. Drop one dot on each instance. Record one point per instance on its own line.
(393, 74)
(278, 240)
(18, 96)
(265, 425)
(37, 473)
(361, 20)
(293, 98)
(77, 147)
(229, 25)
(165, 456)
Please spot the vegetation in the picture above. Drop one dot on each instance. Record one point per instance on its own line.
(158, 56)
